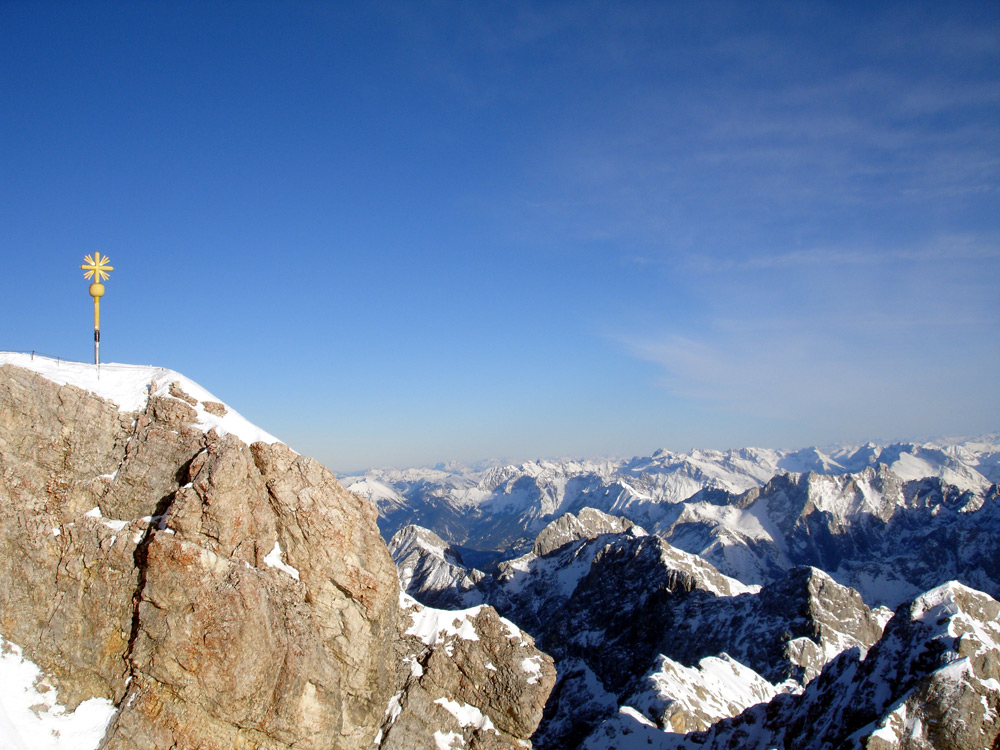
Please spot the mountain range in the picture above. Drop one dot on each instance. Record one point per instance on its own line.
(697, 600)
(887, 520)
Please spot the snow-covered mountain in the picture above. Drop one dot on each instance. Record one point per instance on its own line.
(891, 521)
(655, 647)
(931, 681)
(715, 606)
(427, 564)
(502, 508)
(632, 620)
(887, 538)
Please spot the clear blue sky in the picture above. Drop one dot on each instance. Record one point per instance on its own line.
(401, 233)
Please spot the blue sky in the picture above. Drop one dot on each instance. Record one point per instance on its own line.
(401, 233)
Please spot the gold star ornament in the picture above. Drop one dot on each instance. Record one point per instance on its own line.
(96, 267)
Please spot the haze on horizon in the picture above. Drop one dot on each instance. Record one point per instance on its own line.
(406, 233)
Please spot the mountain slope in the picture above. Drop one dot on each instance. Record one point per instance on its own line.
(889, 538)
(930, 682)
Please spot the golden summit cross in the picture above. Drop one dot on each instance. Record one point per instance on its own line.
(96, 267)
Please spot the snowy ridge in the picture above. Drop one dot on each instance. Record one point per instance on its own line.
(653, 644)
(686, 699)
(921, 685)
(503, 508)
(438, 626)
(130, 386)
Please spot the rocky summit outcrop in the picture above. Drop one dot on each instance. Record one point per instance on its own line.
(220, 594)
(474, 680)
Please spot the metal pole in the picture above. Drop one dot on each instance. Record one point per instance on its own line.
(97, 331)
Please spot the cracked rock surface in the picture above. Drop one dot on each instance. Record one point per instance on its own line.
(220, 595)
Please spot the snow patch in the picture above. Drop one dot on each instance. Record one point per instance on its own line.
(467, 715)
(274, 560)
(533, 666)
(31, 719)
(433, 626)
(447, 740)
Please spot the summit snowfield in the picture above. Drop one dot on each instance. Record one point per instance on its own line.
(130, 386)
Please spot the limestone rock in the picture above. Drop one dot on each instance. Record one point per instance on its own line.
(467, 675)
(221, 595)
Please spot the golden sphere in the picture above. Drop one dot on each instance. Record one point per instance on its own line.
(97, 289)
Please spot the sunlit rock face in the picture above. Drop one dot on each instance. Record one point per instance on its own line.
(219, 594)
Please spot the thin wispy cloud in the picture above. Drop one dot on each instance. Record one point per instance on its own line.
(951, 249)
(829, 386)
(779, 144)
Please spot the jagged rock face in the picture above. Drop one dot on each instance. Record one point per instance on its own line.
(198, 638)
(930, 682)
(888, 538)
(220, 595)
(641, 635)
(588, 524)
(472, 680)
(685, 699)
(432, 571)
(782, 636)
(632, 619)
(628, 604)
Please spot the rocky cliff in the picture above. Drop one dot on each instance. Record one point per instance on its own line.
(656, 648)
(929, 682)
(220, 594)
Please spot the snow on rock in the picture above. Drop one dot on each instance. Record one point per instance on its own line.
(685, 699)
(465, 682)
(962, 613)
(589, 523)
(114, 525)
(930, 681)
(275, 560)
(31, 717)
(432, 626)
(429, 569)
(130, 386)
(533, 666)
(467, 715)
(447, 740)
